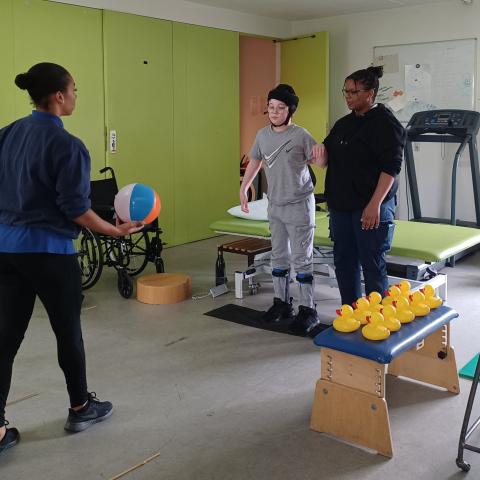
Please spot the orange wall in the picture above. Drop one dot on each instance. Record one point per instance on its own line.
(257, 77)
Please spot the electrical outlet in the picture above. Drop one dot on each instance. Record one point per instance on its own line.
(219, 290)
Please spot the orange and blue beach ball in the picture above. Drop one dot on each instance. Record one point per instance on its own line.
(137, 202)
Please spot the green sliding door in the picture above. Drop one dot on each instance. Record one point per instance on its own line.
(71, 36)
(7, 109)
(169, 92)
(139, 105)
(207, 145)
(304, 65)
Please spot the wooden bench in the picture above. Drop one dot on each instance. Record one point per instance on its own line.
(247, 246)
(350, 399)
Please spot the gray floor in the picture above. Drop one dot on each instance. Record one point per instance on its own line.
(217, 400)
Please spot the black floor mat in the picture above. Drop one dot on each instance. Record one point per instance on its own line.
(252, 318)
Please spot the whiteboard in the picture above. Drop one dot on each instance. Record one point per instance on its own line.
(427, 76)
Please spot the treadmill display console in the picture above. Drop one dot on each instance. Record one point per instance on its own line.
(454, 122)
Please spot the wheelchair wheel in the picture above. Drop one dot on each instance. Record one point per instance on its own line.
(90, 257)
(135, 248)
(124, 284)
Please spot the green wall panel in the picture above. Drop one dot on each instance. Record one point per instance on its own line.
(206, 127)
(139, 105)
(170, 91)
(7, 110)
(304, 65)
(72, 37)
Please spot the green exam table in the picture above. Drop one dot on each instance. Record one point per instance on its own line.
(427, 244)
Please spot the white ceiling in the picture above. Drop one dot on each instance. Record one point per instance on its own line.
(308, 9)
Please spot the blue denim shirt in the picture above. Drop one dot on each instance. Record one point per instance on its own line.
(44, 185)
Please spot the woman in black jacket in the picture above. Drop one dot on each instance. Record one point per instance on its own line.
(364, 150)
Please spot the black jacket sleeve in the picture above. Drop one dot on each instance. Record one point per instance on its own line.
(389, 146)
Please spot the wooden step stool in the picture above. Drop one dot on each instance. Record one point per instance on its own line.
(350, 398)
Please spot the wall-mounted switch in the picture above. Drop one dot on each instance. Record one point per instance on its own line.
(113, 141)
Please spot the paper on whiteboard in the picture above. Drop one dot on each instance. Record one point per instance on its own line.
(398, 102)
(388, 62)
(418, 83)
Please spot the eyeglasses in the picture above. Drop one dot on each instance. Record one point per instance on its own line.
(347, 93)
(280, 109)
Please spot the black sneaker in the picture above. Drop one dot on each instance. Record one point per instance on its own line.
(305, 321)
(279, 310)
(10, 439)
(94, 411)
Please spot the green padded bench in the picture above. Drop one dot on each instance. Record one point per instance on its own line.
(423, 241)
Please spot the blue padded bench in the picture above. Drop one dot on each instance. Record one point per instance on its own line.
(350, 394)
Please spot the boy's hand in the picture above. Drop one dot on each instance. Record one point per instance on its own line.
(243, 201)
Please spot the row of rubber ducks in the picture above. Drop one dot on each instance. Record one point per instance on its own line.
(381, 316)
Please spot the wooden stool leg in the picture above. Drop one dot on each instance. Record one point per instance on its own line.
(350, 401)
(432, 361)
(353, 415)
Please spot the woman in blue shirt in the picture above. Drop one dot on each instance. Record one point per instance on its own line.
(45, 185)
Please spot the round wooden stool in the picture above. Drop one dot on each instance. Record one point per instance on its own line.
(164, 288)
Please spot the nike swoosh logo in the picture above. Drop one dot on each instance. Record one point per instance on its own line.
(288, 150)
(275, 152)
(268, 157)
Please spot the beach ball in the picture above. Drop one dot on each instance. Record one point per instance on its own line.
(137, 202)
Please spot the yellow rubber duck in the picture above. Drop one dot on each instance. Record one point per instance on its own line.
(404, 313)
(375, 300)
(405, 288)
(391, 321)
(346, 322)
(376, 317)
(418, 305)
(430, 298)
(361, 310)
(391, 295)
(375, 328)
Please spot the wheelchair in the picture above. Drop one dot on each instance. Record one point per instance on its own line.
(129, 255)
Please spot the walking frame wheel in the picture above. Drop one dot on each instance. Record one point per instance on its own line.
(463, 465)
(253, 288)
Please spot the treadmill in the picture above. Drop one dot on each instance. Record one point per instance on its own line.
(435, 126)
(444, 126)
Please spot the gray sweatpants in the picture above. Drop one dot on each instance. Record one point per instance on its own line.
(292, 229)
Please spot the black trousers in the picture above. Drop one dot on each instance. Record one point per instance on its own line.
(56, 280)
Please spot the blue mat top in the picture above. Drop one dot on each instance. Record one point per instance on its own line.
(384, 351)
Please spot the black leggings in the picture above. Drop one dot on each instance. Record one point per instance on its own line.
(57, 282)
